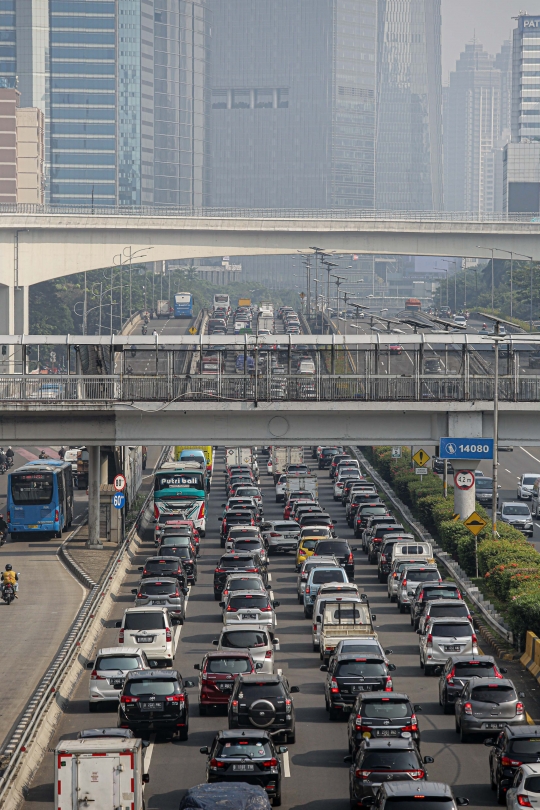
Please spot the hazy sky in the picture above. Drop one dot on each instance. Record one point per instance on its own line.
(491, 19)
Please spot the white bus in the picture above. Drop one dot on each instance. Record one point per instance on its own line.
(222, 301)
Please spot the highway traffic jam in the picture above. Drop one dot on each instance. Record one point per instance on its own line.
(286, 640)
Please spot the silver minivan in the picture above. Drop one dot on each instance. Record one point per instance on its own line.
(443, 637)
(260, 641)
(109, 671)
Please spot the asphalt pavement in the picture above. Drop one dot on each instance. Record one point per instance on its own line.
(318, 777)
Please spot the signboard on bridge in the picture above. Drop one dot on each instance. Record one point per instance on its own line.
(466, 448)
(119, 482)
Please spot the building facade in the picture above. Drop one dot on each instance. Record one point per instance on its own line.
(409, 106)
(22, 150)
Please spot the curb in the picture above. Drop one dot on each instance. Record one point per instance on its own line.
(71, 565)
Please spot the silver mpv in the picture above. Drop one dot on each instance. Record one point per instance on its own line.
(486, 705)
(164, 592)
(443, 637)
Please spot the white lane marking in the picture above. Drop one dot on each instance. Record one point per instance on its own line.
(269, 577)
(286, 765)
(507, 470)
(148, 753)
(530, 454)
(177, 635)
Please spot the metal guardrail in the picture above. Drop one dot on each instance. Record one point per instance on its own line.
(59, 390)
(267, 213)
(48, 688)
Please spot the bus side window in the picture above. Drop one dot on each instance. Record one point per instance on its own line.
(61, 491)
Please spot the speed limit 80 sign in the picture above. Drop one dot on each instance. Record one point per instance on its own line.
(464, 479)
(119, 482)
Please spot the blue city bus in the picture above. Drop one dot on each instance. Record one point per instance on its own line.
(183, 305)
(40, 499)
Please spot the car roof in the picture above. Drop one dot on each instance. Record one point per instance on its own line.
(230, 628)
(167, 580)
(380, 696)
(444, 603)
(495, 681)
(147, 609)
(104, 651)
(522, 731)
(531, 769)
(513, 503)
(348, 655)
(157, 558)
(144, 674)
(458, 659)
(236, 653)
(455, 620)
(244, 732)
(410, 788)
(246, 592)
(384, 743)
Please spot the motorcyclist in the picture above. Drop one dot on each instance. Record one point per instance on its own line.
(3, 528)
(9, 456)
(3, 459)
(144, 330)
(9, 577)
(42, 455)
(133, 350)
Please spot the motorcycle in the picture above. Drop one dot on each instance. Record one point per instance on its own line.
(8, 593)
(9, 461)
(133, 351)
(144, 330)
(3, 467)
(2, 538)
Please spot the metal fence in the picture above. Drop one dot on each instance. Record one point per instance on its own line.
(60, 390)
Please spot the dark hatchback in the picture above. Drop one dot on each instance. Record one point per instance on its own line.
(248, 756)
(384, 563)
(379, 761)
(387, 715)
(155, 700)
(264, 702)
(237, 563)
(365, 511)
(458, 670)
(339, 549)
(326, 456)
(360, 499)
(375, 542)
(512, 748)
(165, 567)
(236, 518)
(428, 593)
(189, 561)
(350, 675)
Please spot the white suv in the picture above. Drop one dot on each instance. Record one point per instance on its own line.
(109, 670)
(151, 629)
(525, 485)
(443, 637)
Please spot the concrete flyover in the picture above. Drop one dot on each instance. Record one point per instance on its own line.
(38, 243)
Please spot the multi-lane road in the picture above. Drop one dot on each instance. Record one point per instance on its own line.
(318, 777)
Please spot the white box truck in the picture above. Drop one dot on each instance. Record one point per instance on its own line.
(103, 773)
(163, 309)
(238, 455)
(301, 483)
(283, 456)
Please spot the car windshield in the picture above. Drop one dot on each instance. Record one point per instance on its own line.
(250, 748)
(423, 576)
(516, 509)
(531, 747)
(358, 667)
(248, 601)
(115, 662)
(459, 609)
(259, 691)
(484, 483)
(333, 575)
(493, 693)
(151, 686)
(333, 547)
(390, 761)
(452, 630)
(528, 480)
(157, 588)
(471, 669)
(386, 709)
(144, 621)
(247, 584)
(228, 666)
(244, 639)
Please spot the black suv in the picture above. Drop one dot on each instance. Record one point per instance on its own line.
(247, 756)
(365, 511)
(359, 499)
(189, 560)
(165, 567)
(349, 675)
(237, 563)
(375, 541)
(407, 794)
(428, 592)
(263, 702)
(513, 747)
(326, 456)
(155, 700)
(458, 670)
(379, 761)
(339, 549)
(382, 715)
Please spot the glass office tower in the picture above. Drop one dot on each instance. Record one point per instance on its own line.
(409, 106)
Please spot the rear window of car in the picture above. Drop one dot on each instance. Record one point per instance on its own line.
(244, 638)
(441, 593)
(423, 576)
(412, 550)
(333, 547)
(309, 544)
(423, 801)
(241, 562)
(459, 609)
(144, 621)
(243, 748)
(251, 491)
(314, 519)
(532, 784)
(239, 520)
(228, 666)
(329, 451)
(258, 691)
(157, 588)
(449, 630)
(247, 584)
(159, 566)
(248, 601)
(285, 527)
(160, 687)
(360, 668)
(335, 575)
(116, 662)
(315, 532)
(176, 540)
(247, 543)
(468, 669)
(390, 761)
(493, 693)
(530, 747)
(386, 709)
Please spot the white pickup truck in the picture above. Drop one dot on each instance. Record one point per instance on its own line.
(344, 619)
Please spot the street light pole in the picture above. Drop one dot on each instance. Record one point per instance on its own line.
(480, 247)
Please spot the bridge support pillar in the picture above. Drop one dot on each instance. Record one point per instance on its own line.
(14, 318)
(94, 482)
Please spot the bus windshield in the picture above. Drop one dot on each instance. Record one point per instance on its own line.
(32, 488)
(192, 480)
(182, 298)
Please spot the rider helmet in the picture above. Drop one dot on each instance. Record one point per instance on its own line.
(9, 567)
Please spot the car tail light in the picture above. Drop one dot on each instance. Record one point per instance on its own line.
(413, 725)
(389, 685)
(126, 699)
(450, 675)
(314, 628)
(509, 762)
(231, 609)
(95, 677)
(362, 774)
(288, 706)
(334, 686)
(121, 637)
(496, 672)
(307, 590)
(156, 512)
(234, 705)
(266, 609)
(56, 515)
(520, 708)
(220, 570)
(214, 763)
(175, 699)
(274, 534)
(201, 511)
(429, 639)
(168, 634)
(474, 639)
(416, 774)
(272, 763)
(467, 708)
(404, 583)
(383, 557)
(140, 596)
(523, 800)
(268, 654)
(351, 557)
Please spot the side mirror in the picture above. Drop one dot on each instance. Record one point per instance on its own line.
(215, 642)
(154, 664)
(323, 668)
(348, 758)
(185, 591)
(489, 741)
(294, 689)
(220, 519)
(224, 504)
(428, 760)
(204, 749)
(461, 801)
(283, 749)
(89, 665)
(118, 624)
(373, 617)
(196, 666)
(418, 632)
(140, 568)
(276, 604)
(134, 590)
(222, 604)
(189, 683)
(417, 707)
(388, 652)
(438, 670)
(259, 665)
(355, 548)
(392, 667)
(145, 778)
(505, 783)
(503, 670)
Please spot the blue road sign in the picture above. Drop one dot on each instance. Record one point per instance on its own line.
(466, 448)
(119, 500)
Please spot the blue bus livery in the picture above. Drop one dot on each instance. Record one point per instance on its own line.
(40, 499)
(183, 305)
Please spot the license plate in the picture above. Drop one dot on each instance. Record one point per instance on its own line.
(117, 684)
(32, 526)
(225, 687)
(152, 707)
(248, 616)
(243, 767)
(492, 725)
(385, 732)
(361, 687)
(144, 639)
(452, 648)
(157, 602)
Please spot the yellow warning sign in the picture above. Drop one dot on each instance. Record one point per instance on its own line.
(193, 330)
(421, 458)
(475, 523)
(455, 517)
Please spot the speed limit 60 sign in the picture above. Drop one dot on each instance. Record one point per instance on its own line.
(464, 479)
(119, 482)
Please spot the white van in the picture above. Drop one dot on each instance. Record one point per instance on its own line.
(535, 498)
(150, 629)
(412, 550)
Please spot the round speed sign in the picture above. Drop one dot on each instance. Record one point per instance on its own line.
(464, 479)
(119, 483)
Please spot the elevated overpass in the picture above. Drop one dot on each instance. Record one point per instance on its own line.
(38, 243)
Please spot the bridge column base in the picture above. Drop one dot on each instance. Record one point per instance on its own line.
(94, 482)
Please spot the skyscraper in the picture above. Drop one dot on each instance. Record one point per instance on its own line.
(409, 106)
(473, 117)
(293, 103)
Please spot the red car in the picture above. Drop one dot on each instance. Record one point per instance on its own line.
(218, 672)
(395, 348)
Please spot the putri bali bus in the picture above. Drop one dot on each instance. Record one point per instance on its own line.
(40, 499)
(183, 305)
(181, 488)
